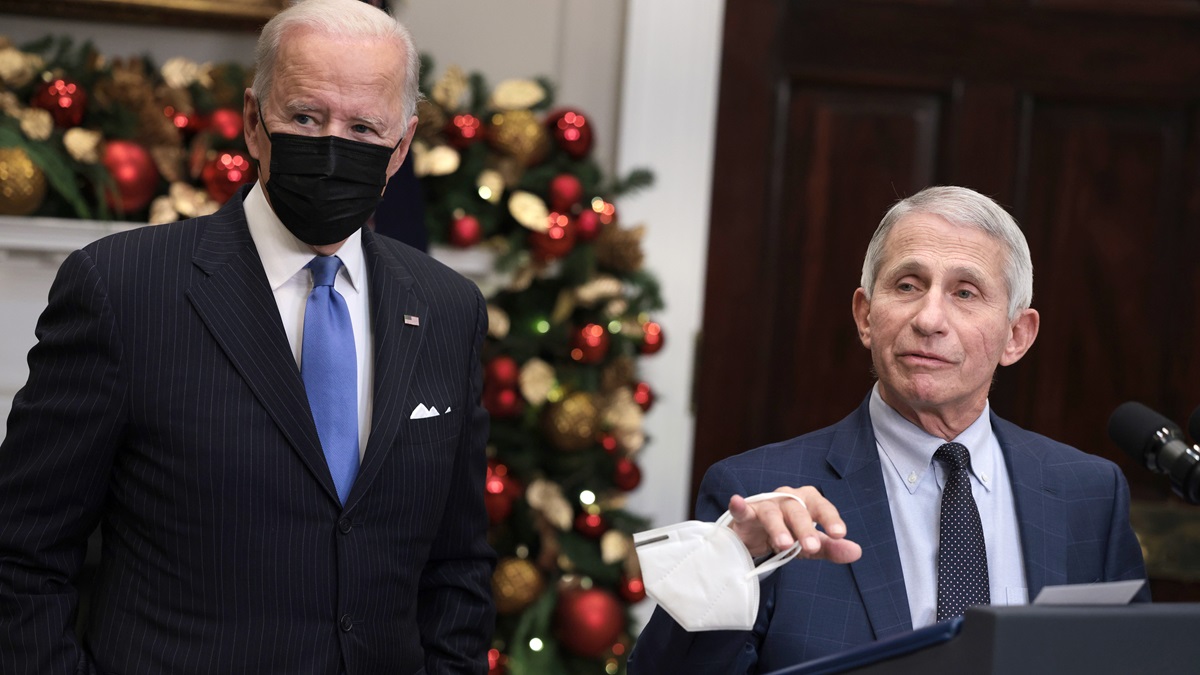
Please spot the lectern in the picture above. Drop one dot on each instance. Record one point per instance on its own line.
(1034, 640)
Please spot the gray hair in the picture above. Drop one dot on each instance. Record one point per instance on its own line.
(966, 208)
(341, 19)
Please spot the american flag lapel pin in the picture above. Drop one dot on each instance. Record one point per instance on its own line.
(410, 320)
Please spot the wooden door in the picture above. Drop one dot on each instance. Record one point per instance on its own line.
(1080, 116)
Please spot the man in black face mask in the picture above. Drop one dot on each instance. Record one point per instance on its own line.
(272, 412)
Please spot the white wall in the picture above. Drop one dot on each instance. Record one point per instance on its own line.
(125, 40)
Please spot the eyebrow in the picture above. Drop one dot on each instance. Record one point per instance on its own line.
(969, 274)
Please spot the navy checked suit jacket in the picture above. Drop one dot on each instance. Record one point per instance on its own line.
(164, 402)
(1073, 510)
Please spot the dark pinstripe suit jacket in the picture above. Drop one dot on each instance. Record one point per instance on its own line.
(1073, 510)
(164, 402)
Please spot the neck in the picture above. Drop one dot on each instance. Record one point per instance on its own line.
(946, 422)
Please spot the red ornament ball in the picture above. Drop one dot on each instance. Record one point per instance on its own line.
(652, 338)
(627, 475)
(643, 396)
(226, 123)
(503, 402)
(462, 130)
(502, 371)
(571, 131)
(465, 231)
(556, 241)
(587, 225)
(497, 662)
(227, 172)
(134, 173)
(632, 589)
(591, 525)
(188, 122)
(609, 443)
(590, 343)
(65, 99)
(565, 192)
(500, 491)
(588, 622)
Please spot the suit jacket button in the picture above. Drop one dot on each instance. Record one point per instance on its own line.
(347, 623)
(345, 526)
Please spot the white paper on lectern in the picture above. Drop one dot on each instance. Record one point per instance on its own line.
(1107, 593)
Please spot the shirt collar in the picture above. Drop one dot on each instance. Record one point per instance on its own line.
(909, 449)
(283, 255)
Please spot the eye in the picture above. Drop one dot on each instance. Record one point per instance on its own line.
(964, 294)
(302, 119)
(905, 287)
(361, 129)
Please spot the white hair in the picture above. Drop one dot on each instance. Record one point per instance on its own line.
(966, 208)
(340, 19)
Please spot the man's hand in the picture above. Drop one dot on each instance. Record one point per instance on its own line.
(775, 524)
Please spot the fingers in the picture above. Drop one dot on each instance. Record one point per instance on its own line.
(776, 524)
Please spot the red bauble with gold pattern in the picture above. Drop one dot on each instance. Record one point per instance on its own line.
(465, 231)
(133, 172)
(589, 343)
(462, 130)
(591, 525)
(627, 475)
(502, 371)
(226, 123)
(632, 589)
(652, 338)
(556, 241)
(571, 131)
(503, 402)
(227, 172)
(588, 622)
(565, 192)
(65, 99)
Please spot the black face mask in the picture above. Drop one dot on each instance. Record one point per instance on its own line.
(324, 188)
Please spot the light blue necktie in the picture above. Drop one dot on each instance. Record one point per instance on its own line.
(329, 367)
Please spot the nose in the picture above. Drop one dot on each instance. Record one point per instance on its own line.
(930, 318)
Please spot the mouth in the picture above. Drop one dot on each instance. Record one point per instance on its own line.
(923, 359)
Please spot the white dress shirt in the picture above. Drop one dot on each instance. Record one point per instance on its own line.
(914, 483)
(283, 258)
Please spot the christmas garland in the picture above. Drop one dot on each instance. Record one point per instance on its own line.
(504, 172)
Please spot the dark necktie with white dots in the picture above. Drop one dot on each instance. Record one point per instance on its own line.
(962, 556)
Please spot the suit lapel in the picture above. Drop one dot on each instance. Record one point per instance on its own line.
(237, 305)
(862, 501)
(397, 345)
(1041, 518)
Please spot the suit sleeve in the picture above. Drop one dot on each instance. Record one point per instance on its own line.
(54, 465)
(665, 647)
(455, 601)
(1124, 556)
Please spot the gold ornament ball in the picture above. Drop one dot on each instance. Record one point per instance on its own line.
(519, 133)
(572, 423)
(516, 583)
(22, 183)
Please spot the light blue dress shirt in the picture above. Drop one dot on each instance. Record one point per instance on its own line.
(914, 485)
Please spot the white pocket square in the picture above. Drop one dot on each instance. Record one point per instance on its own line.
(421, 412)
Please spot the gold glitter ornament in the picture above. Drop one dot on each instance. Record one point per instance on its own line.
(621, 412)
(536, 380)
(517, 95)
(546, 498)
(615, 546)
(602, 287)
(161, 211)
(529, 210)
(36, 124)
(572, 423)
(83, 144)
(439, 160)
(619, 249)
(521, 134)
(516, 583)
(17, 68)
(430, 120)
(498, 322)
(618, 373)
(22, 183)
(451, 88)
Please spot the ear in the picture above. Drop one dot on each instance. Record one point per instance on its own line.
(1022, 333)
(860, 306)
(250, 122)
(402, 151)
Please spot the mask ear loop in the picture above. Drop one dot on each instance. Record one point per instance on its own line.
(780, 559)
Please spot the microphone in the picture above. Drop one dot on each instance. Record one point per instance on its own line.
(1158, 444)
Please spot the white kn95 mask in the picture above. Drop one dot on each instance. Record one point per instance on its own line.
(702, 574)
